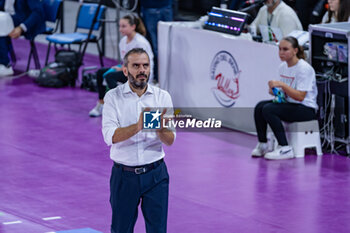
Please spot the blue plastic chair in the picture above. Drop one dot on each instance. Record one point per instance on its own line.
(53, 13)
(84, 21)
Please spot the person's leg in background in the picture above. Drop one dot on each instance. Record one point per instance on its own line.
(151, 17)
(260, 121)
(304, 10)
(261, 129)
(97, 110)
(235, 4)
(6, 47)
(287, 112)
(113, 79)
(166, 14)
(5, 68)
(274, 114)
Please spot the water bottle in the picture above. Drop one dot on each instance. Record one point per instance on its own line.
(280, 97)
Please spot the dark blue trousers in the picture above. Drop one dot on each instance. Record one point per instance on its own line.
(128, 190)
(151, 17)
(5, 46)
(112, 80)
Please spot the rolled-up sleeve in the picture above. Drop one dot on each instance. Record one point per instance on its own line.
(110, 121)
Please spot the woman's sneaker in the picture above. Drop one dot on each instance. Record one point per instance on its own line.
(97, 110)
(260, 149)
(282, 152)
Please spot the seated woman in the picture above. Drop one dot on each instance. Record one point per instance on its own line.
(298, 83)
(133, 31)
(338, 11)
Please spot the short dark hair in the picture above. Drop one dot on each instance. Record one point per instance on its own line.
(132, 51)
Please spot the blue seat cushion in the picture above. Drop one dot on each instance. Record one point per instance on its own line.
(69, 38)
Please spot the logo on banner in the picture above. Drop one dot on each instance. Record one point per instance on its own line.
(224, 70)
(151, 119)
(154, 120)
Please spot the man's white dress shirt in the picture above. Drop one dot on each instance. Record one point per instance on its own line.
(122, 108)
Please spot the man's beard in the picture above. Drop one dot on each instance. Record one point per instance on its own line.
(136, 83)
(271, 4)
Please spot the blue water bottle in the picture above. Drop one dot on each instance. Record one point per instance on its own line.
(280, 97)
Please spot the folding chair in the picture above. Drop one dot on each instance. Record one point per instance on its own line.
(84, 21)
(53, 13)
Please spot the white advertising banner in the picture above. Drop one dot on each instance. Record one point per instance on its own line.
(206, 69)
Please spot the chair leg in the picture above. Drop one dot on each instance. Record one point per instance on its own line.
(29, 58)
(33, 52)
(13, 57)
(100, 54)
(47, 53)
(36, 57)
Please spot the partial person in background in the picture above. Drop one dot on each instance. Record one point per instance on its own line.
(133, 31)
(298, 85)
(236, 4)
(338, 11)
(152, 12)
(28, 20)
(305, 11)
(139, 174)
(277, 14)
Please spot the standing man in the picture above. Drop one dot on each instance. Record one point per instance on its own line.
(28, 19)
(139, 173)
(152, 12)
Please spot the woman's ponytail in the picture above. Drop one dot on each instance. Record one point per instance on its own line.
(134, 19)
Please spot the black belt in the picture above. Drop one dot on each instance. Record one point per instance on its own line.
(139, 169)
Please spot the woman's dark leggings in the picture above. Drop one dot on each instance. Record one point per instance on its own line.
(112, 80)
(267, 112)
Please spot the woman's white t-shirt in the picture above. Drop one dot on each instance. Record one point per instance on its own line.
(301, 77)
(139, 41)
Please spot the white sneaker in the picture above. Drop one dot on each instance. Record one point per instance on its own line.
(260, 149)
(97, 110)
(282, 152)
(5, 71)
(34, 73)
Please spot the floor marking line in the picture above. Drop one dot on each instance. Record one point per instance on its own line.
(13, 222)
(51, 218)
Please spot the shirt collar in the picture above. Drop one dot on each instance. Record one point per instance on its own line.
(279, 6)
(127, 89)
